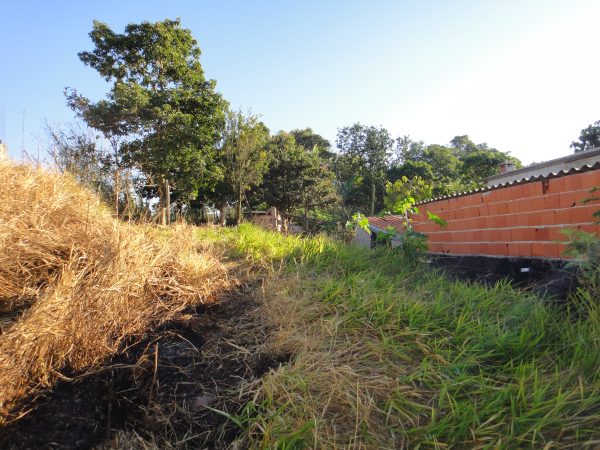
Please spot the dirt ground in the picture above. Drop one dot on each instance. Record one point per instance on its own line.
(174, 388)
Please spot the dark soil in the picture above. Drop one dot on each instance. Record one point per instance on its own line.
(174, 388)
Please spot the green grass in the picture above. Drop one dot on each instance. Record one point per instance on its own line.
(389, 355)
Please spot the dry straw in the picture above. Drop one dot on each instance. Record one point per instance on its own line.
(77, 285)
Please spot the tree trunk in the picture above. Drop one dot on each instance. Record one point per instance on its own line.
(238, 219)
(117, 192)
(168, 201)
(372, 199)
(222, 218)
(305, 216)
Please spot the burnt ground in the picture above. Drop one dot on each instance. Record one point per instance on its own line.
(174, 388)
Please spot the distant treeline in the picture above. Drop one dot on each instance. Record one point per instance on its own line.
(163, 137)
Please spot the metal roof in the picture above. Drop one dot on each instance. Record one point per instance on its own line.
(380, 223)
(553, 166)
(520, 177)
(530, 174)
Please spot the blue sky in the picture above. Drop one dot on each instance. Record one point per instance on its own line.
(519, 75)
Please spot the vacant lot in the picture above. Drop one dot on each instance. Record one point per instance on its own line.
(116, 335)
(390, 355)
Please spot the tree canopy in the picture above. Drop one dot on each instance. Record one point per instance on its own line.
(297, 177)
(362, 163)
(588, 139)
(159, 102)
(169, 128)
(244, 159)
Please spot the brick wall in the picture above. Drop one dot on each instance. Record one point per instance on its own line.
(520, 220)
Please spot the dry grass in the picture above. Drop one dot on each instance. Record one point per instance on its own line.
(388, 356)
(76, 286)
(338, 381)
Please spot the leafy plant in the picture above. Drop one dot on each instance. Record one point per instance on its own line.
(585, 248)
(594, 198)
(386, 235)
(413, 244)
(401, 195)
(359, 220)
(436, 219)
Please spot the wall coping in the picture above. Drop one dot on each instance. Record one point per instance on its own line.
(524, 180)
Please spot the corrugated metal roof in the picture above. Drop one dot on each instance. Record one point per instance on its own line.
(531, 179)
(380, 223)
(572, 161)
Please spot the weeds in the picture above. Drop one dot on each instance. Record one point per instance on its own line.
(386, 356)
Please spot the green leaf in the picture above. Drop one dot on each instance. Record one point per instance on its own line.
(436, 219)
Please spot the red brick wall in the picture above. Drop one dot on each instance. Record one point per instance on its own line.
(521, 220)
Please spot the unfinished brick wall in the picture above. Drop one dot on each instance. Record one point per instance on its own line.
(519, 220)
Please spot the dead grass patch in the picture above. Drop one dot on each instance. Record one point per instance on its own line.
(76, 285)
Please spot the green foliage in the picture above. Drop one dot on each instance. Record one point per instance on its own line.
(311, 141)
(588, 139)
(362, 164)
(401, 195)
(461, 166)
(359, 220)
(411, 169)
(436, 219)
(297, 177)
(585, 248)
(159, 102)
(413, 245)
(244, 158)
(459, 365)
(477, 165)
(386, 235)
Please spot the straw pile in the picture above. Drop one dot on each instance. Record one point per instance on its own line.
(77, 285)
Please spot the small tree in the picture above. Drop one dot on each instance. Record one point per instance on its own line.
(365, 151)
(402, 194)
(77, 150)
(244, 158)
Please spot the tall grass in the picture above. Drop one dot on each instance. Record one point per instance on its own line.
(389, 356)
(77, 285)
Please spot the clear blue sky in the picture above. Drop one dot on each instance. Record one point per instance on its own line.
(519, 75)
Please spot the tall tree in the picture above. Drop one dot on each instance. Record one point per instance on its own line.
(159, 101)
(588, 139)
(297, 177)
(244, 157)
(411, 169)
(407, 150)
(308, 139)
(364, 152)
